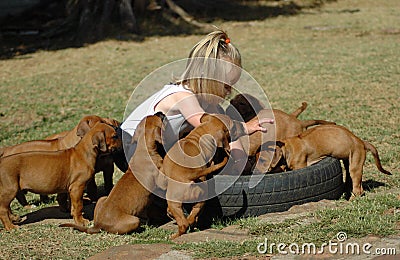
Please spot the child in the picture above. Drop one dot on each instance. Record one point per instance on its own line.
(214, 65)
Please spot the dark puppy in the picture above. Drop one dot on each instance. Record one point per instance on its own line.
(244, 107)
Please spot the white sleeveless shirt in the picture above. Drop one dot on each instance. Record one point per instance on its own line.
(175, 122)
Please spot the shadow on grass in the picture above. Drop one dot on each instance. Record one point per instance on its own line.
(54, 212)
(370, 185)
(30, 32)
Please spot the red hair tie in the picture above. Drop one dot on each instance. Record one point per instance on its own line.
(227, 40)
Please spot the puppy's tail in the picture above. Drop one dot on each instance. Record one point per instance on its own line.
(307, 123)
(300, 110)
(91, 230)
(213, 168)
(374, 152)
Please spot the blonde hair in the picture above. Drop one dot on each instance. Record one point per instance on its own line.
(210, 61)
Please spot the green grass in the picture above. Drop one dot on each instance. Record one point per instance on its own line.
(344, 64)
(47, 241)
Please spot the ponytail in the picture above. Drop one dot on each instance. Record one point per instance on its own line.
(210, 61)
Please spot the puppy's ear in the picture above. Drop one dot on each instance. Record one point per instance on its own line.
(99, 140)
(93, 120)
(87, 123)
(160, 127)
(277, 157)
(157, 135)
(237, 130)
(83, 127)
(222, 140)
(111, 122)
(205, 117)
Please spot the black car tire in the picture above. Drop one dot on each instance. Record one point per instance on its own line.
(275, 192)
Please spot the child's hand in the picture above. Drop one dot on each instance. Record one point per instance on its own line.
(256, 125)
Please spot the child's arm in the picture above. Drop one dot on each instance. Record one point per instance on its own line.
(189, 107)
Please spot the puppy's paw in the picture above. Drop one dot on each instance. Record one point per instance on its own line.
(11, 227)
(86, 222)
(173, 236)
(82, 222)
(354, 196)
(15, 218)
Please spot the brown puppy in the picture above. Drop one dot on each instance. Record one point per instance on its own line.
(286, 125)
(55, 171)
(118, 213)
(56, 142)
(105, 164)
(190, 160)
(316, 143)
(64, 141)
(260, 145)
